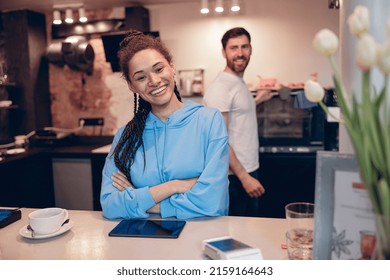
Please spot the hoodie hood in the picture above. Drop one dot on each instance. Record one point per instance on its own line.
(179, 118)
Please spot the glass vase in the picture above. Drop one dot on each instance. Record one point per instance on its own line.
(382, 250)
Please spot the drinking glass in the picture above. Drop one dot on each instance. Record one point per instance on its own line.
(367, 243)
(300, 229)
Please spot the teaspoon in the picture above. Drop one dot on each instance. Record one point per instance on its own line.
(65, 222)
(30, 229)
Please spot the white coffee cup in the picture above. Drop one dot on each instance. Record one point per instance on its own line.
(47, 220)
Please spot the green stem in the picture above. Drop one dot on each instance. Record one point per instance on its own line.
(340, 89)
(366, 77)
(326, 109)
(385, 121)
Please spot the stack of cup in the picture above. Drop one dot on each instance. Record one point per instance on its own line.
(300, 230)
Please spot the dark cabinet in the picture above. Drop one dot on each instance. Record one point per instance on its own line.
(77, 180)
(27, 180)
(287, 177)
(63, 176)
(25, 49)
(9, 113)
(97, 164)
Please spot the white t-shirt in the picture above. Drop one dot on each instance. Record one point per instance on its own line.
(229, 93)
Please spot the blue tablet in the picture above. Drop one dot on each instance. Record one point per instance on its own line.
(148, 228)
(8, 216)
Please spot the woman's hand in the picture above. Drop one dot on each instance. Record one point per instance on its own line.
(183, 186)
(120, 181)
(167, 189)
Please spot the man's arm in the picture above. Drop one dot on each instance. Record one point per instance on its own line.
(251, 185)
(264, 95)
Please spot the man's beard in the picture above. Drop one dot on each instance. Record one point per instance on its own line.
(235, 68)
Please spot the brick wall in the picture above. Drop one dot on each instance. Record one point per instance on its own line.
(75, 94)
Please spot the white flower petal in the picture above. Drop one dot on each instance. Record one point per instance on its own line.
(384, 58)
(314, 92)
(366, 52)
(359, 21)
(325, 42)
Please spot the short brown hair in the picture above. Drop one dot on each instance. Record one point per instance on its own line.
(233, 33)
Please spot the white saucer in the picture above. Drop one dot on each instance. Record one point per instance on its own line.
(26, 233)
(15, 151)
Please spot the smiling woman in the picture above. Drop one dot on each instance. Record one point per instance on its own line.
(150, 168)
(152, 77)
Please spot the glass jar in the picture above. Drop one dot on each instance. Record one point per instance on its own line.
(3, 73)
(197, 86)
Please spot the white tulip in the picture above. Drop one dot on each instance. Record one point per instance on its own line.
(359, 21)
(366, 52)
(325, 42)
(384, 58)
(314, 92)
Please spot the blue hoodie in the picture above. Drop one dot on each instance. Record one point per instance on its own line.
(193, 142)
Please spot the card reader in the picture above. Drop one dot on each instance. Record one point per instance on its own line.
(228, 248)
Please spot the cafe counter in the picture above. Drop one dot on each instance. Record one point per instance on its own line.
(87, 239)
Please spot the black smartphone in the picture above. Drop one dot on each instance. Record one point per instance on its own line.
(9, 216)
(148, 228)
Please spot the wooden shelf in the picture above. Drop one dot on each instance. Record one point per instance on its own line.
(9, 107)
(8, 84)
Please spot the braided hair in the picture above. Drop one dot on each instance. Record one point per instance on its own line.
(131, 138)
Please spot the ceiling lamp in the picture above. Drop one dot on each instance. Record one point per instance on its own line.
(68, 16)
(57, 17)
(204, 7)
(219, 6)
(68, 9)
(235, 6)
(82, 17)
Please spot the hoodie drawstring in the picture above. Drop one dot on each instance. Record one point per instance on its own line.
(160, 171)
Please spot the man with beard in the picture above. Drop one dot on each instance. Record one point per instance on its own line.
(230, 94)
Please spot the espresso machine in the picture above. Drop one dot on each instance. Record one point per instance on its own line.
(288, 123)
(291, 131)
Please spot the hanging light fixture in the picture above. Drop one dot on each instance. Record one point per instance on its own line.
(204, 7)
(68, 9)
(82, 17)
(68, 16)
(235, 6)
(57, 17)
(219, 6)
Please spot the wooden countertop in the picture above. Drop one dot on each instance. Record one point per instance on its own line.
(88, 239)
